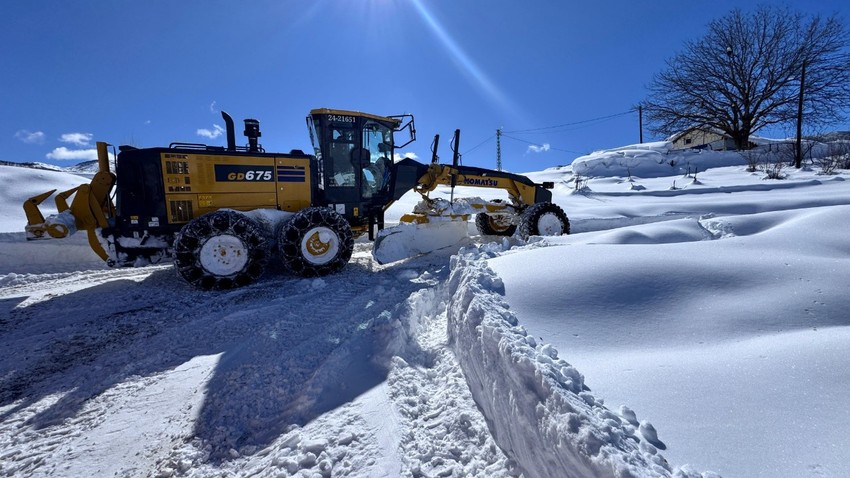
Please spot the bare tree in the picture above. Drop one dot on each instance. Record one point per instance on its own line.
(753, 157)
(837, 157)
(745, 74)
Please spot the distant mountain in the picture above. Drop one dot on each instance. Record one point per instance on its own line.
(833, 136)
(48, 167)
(89, 167)
(84, 168)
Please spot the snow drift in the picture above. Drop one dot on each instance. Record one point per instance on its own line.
(536, 404)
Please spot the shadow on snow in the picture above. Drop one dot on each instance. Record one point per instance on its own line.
(290, 348)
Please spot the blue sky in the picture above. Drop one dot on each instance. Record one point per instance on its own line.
(149, 73)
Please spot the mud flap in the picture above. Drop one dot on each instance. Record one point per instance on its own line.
(412, 239)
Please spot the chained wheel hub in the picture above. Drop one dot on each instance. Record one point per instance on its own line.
(320, 245)
(223, 255)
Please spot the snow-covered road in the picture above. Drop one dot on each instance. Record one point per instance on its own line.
(136, 372)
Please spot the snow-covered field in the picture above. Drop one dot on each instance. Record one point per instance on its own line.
(687, 324)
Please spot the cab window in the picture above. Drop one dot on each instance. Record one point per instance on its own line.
(342, 142)
(377, 141)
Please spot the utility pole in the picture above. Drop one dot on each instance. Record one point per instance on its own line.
(499, 149)
(640, 122)
(798, 150)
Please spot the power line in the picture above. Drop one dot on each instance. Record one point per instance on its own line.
(575, 123)
(548, 129)
(537, 144)
(479, 144)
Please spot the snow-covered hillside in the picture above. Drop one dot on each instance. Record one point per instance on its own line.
(687, 324)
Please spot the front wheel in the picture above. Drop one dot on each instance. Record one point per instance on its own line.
(543, 219)
(494, 225)
(315, 242)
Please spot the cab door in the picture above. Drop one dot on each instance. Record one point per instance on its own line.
(340, 139)
(375, 163)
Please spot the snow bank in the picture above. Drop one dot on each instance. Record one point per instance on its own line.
(537, 405)
(652, 160)
(659, 159)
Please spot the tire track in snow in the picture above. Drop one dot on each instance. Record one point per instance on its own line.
(284, 345)
(40, 286)
(444, 432)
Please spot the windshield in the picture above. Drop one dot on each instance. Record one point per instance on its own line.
(378, 143)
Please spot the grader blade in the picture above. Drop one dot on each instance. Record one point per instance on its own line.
(410, 239)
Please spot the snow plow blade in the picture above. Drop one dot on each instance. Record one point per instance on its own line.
(414, 236)
(88, 211)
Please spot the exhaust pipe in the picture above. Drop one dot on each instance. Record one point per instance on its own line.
(231, 134)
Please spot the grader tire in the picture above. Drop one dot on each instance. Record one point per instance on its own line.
(543, 219)
(316, 241)
(221, 250)
(494, 225)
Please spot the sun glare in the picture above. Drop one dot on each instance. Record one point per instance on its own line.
(464, 62)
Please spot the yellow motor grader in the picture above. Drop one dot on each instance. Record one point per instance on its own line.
(224, 212)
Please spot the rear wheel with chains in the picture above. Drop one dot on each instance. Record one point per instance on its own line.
(543, 219)
(221, 250)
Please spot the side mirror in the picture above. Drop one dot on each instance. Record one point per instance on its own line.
(406, 124)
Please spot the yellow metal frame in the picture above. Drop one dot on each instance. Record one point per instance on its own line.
(90, 208)
(441, 174)
(329, 111)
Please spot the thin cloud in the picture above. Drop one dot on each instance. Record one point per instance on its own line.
(30, 137)
(212, 107)
(64, 154)
(534, 148)
(78, 139)
(211, 134)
